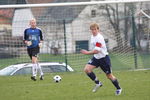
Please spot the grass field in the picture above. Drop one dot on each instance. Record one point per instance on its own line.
(76, 86)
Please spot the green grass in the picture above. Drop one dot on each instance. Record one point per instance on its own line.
(76, 86)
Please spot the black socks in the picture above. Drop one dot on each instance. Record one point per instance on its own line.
(116, 83)
(93, 77)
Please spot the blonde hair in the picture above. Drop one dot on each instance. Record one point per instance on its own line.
(94, 25)
(33, 19)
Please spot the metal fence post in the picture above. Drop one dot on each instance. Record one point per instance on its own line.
(65, 43)
(134, 39)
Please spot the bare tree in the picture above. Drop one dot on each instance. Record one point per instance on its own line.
(115, 22)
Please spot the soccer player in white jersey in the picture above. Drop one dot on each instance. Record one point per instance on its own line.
(100, 59)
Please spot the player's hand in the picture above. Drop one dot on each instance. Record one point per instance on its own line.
(29, 43)
(84, 51)
(40, 45)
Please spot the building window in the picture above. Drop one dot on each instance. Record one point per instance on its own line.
(82, 45)
(93, 13)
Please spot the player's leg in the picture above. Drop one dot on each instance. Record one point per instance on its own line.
(41, 72)
(115, 83)
(92, 64)
(36, 51)
(89, 71)
(35, 61)
(33, 77)
(34, 68)
(105, 65)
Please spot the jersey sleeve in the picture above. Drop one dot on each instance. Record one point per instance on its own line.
(41, 35)
(25, 35)
(98, 45)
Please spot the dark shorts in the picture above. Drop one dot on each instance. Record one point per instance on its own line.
(33, 51)
(103, 63)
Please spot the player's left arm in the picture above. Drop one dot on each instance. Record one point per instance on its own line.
(41, 36)
(41, 39)
(96, 49)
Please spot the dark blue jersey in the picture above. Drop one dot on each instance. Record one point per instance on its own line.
(34, 35)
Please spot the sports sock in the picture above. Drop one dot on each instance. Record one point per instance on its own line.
(40, 69)
(116, 83)
(34, 70)
(93, 77)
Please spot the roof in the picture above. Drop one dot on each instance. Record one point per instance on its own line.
(38, 1)
(67, 13)
(8, 13)
(36, 11)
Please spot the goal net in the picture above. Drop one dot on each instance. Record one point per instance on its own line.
(124, 24)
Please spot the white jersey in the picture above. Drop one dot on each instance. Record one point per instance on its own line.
(98, 43)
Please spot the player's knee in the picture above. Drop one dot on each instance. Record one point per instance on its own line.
(34, 61)
(110, 76)
(87, 70)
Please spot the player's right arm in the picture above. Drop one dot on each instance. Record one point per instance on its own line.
(86, 52)
(28, 43)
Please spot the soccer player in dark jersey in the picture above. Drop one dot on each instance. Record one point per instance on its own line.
(100, 59)
(33, 38)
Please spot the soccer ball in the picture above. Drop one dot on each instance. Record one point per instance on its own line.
(57, 78)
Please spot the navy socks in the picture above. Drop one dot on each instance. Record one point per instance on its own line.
(116, 83)
(93, 77)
